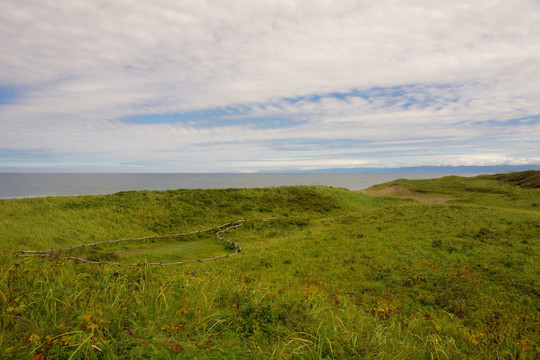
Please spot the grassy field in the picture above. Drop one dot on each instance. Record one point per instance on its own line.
(425, 269)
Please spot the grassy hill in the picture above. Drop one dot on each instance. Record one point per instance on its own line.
(432, 269)
(525, 179)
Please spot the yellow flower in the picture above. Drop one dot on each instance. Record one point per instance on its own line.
(34, 339)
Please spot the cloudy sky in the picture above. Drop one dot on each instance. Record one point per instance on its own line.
(248, 85)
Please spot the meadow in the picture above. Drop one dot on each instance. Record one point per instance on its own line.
(413, 269)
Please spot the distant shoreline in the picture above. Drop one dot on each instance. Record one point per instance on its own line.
(29, 185)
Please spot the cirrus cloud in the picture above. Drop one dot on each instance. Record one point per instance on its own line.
(201, 86)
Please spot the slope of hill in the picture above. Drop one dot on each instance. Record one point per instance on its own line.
(525, 179)
(336, 274)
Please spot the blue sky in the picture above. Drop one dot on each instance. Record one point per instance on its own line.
(247, 86)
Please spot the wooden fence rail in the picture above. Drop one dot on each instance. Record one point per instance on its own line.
(220, 230)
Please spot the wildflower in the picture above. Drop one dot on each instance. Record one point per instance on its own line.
(130, 332)
(338, 354)
(38, 357)
(208, 341)
(427, 316)
(116, 274)
(34, 339)
(197, 343)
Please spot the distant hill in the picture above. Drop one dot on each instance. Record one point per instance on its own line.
(525, 179)
(426, 169)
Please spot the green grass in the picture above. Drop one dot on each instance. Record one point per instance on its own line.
(525, 179)
(170, 250)
(337, 275)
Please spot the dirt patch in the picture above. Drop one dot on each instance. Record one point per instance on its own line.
(403, 192)
(387, 190)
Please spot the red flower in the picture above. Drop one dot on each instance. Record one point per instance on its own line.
(116, 274)
(427, 316)
(338, 354)
(208, 341)
(130, 332)
(38, 357)
(197, 343)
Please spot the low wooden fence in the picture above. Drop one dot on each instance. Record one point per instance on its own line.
(57, 253)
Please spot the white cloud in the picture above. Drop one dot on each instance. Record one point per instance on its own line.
(81, 68)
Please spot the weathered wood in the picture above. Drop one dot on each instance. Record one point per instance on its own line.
(220, 229)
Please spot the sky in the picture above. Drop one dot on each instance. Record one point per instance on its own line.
(249, 85)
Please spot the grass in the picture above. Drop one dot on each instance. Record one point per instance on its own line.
(166, 251)
(337, 274)
(525, 179)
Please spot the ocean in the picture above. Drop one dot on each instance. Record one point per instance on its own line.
(22, 185)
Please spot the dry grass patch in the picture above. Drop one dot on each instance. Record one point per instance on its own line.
(404, 192)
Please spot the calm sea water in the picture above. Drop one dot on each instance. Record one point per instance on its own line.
(18, 185)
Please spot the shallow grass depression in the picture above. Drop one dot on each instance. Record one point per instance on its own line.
(324, 273)
(168, 250)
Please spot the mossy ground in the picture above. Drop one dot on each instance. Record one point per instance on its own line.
(337, 274)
